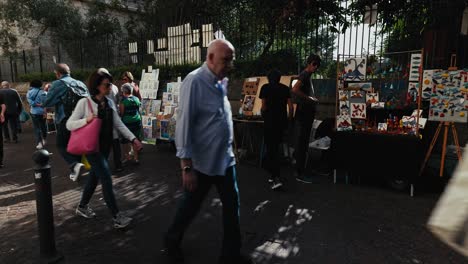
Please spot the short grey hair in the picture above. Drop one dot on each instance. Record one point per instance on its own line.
(127, 88)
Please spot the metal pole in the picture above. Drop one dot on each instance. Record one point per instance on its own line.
(44, 206)
(11, 69)
(40, 60)
(24, 62)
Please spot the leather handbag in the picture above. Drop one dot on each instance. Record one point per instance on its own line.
(85, 140)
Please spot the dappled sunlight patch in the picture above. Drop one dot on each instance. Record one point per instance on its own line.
(283, 244)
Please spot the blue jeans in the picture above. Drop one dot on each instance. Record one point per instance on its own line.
(40, 130)
(63, 136)
(100, 171)
(190, 205)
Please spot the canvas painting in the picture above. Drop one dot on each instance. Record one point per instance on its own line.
(145, 108)
(155, 107)
(147, 132)
(344, 108)
(358, 110)
(176, 88)
(175, 99)
(343, 95)
(355, 69)
(382, 127)
(164, 129)
(379, 105)
(372, 98)
(170, 87)
(168, 110)
(248, 104)
(365, 86)
(427, 84)
(357, 96)
(416, 60)
(146, 120)
(449, 99)
(343, 123)
(413, 91)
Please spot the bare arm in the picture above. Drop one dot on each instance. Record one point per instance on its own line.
(297, 91)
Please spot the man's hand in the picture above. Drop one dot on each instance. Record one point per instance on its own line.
(189, 180)
(137, 144)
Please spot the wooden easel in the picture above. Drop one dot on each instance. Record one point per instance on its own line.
(447, 126)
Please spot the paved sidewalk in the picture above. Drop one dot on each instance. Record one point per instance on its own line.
(319, 223)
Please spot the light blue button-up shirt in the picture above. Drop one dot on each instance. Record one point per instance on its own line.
(204, 129)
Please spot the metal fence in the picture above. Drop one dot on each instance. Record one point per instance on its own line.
(285, 44)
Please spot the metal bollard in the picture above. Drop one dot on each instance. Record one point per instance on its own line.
(45, 214)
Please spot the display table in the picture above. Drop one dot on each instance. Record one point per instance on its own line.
(248, 140)
(395, 158)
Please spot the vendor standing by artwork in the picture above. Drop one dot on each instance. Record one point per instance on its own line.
(305, 114)
(275, 96)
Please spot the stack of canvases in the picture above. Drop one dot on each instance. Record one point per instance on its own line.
(150, 106)
(166, 120)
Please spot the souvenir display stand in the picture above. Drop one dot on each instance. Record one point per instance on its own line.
(158, 115)
(248, 124)
(374, 124)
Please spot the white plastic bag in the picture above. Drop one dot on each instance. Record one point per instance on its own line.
(449, 219)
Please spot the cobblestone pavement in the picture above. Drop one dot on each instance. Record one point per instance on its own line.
(319, 223)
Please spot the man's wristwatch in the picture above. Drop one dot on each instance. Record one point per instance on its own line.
(187, 169)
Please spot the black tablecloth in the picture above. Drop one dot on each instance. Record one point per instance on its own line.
(379, 155)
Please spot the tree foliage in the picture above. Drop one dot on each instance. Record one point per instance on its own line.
(58, 18)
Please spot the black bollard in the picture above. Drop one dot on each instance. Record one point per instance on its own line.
(45, 212)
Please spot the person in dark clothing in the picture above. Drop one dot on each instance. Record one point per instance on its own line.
(275, 97)
(99, 106)
(14, 106)
(305, 114)
(2, 121)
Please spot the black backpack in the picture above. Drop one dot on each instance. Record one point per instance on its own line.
(76, 91)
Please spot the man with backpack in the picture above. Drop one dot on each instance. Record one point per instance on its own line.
(63, 94)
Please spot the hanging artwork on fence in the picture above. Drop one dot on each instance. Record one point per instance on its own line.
(416, 60)
(449, 100)
(343, 95)
(355, 69)
(413, 91)
(357, 96)
(365, 86)
(358, 111)
(343, 123)
(372, 98)
(344, 108)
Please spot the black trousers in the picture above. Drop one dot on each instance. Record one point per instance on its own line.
(1, 143)
(11, 121)
(304, 128)
(273, 136)
(117, 151)
(190, 206)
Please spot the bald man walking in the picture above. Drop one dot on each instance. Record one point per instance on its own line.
(204, 136)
